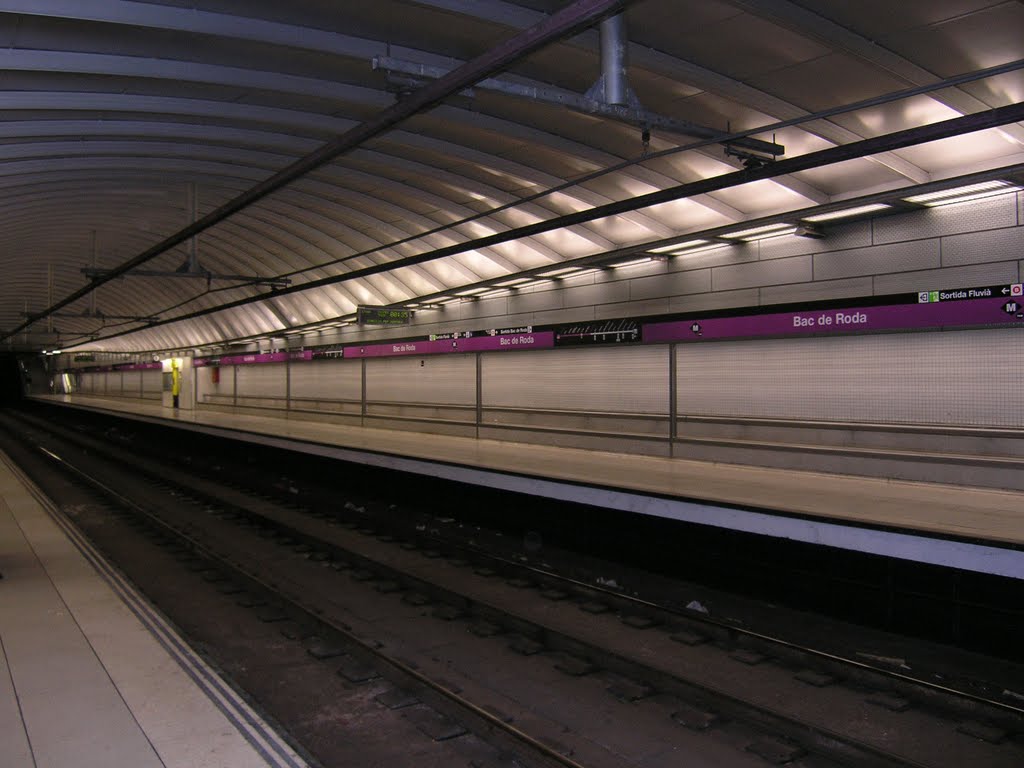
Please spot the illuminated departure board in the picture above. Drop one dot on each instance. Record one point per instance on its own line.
(383, 316)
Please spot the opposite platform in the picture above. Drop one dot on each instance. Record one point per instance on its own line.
(970, 528)
(90, 675)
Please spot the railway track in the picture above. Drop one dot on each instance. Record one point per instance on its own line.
(754, 698)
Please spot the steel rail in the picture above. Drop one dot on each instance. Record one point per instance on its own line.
(759, 714)
(867, 749)
(198, 547)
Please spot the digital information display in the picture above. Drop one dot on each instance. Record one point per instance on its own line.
(382, 316)
(598, 332)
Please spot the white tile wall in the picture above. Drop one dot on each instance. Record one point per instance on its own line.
(438, 379)
(328, 380)
(990, 213)
(634, 308)
(672, 284)
(737, 253)
(618, 379)
(152, 381)
(774, 272)
(266, 380)
(982, 247)
(951, 277)
(879, 259)
(816, 291)
(701, 302)
(915, 378)
(601, 293)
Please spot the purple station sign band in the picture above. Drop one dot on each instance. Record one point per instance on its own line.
(485, 343)
(253, 359)
(934, 309)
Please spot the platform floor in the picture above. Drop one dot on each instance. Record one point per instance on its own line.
(90, 675)
(972, 528)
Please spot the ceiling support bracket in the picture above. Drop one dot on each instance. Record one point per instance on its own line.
(409, 74)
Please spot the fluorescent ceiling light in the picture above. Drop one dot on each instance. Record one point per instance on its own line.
(757, 233)
(452, 300)
(963, 194)
(701, 249)
(846, 212)
(514, 281)
(558, 272)
(492, 294)
(631, 262)
(697, 246)
(670, 249)
(471, 291)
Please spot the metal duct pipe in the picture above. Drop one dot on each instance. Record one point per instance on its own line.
(614, 59)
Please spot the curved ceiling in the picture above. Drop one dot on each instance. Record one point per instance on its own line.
(115, 117)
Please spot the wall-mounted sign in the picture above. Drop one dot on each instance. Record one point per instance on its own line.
(499, 342)
(383, 316)
(991, 305)
(598, 332)
(253, 358)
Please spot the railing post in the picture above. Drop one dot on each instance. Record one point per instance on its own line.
(362, 396)
(479, 393)
(287, 383)
(673, 401)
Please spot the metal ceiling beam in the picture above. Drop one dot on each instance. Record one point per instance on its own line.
(577, 102)
(572, 19)
(271, 282)
(864, 148)
(98, 315)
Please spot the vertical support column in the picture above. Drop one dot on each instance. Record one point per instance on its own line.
(362, 395)
(234, 386)
(479, 392)
(673, 401)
